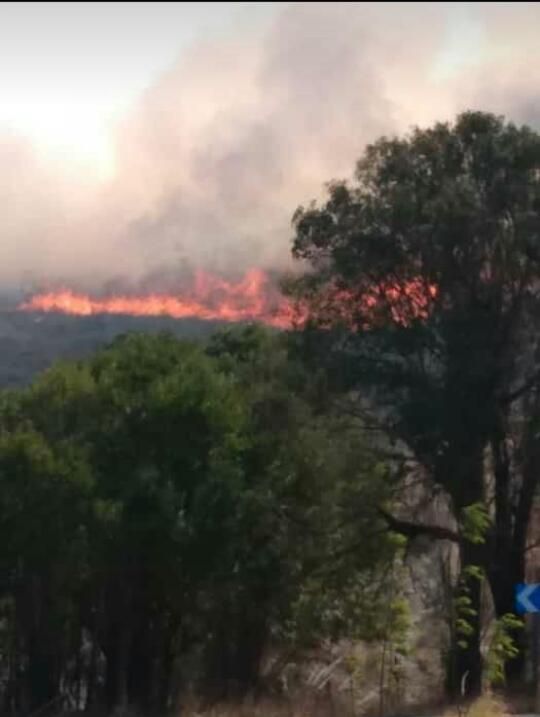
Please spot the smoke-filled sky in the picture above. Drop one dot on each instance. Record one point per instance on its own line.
(144, 139)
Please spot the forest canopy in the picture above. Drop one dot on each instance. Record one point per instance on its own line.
(168, 512)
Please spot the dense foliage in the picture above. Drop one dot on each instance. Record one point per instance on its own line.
(421, 291)
(168, 513)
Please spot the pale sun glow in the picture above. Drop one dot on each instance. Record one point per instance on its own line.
(69, 132)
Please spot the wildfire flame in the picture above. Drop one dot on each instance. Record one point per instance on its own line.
(252, 298)
(379, 305)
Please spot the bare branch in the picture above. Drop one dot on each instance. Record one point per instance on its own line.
(412, 530)
(533, 381)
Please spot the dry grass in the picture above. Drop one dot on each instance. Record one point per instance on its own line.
(483, 707)
(486, 706)
(235, 711)
(248, 711)
(307, 708)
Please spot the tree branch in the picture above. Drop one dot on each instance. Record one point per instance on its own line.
(413, 530)
(533, 381)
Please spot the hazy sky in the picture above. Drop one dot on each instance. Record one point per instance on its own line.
(143, 137)
(69, 70)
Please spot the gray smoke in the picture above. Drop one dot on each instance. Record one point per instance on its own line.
(214, 158)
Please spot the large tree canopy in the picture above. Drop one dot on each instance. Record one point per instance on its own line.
(422, 283)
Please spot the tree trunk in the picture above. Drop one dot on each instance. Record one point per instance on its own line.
(117, 666)
(40, 678)
(466, 668)
(234, 656)
(508, 546)
(507, 571)
(250, 643)
(467, 488)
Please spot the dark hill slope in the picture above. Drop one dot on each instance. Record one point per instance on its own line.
(31, 342)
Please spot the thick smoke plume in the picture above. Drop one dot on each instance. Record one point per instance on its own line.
(214, 158)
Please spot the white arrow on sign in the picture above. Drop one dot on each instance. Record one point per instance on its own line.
(523, 598)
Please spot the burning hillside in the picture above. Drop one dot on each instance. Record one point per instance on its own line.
(209, 297)
(254, 297)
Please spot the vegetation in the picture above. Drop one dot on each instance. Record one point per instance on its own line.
(421, 290)
(171, 513)
(167, 514)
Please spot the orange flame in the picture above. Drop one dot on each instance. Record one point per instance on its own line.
(253, 298)
(365, 309)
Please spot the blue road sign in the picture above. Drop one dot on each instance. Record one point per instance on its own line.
(527, 598)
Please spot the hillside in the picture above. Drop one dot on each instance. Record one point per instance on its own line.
(30, 342)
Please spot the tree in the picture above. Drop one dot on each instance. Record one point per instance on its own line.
(44, 505)
(421, 289)
(167, 453)
(313, 551)
(159, 431)
(168, 513)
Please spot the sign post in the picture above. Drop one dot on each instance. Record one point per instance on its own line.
(528, 602)
(527, 598)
